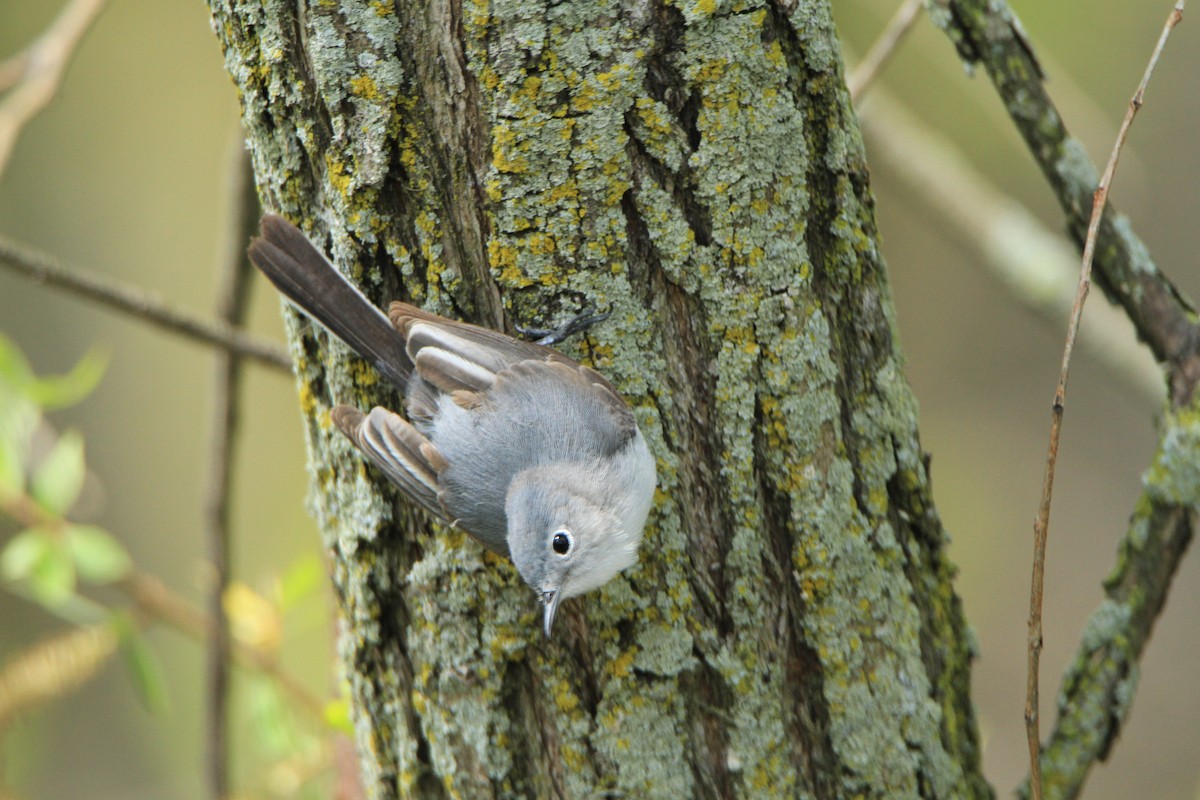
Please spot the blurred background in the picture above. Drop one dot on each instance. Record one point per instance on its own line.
(125, 174)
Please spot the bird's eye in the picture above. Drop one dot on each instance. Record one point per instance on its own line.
(561, 542)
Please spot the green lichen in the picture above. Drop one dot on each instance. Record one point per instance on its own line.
(635, 727)
(1073, 165)
(1174, 475)
(1098, 687)
(1133, 248)
(565, 87)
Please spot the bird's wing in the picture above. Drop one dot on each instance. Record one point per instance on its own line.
(579, 401)
(501, 349)
(458, 356)
(477, 366)
(407, 458)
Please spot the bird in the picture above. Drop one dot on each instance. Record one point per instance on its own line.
(536, 456)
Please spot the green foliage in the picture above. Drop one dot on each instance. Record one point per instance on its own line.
(144, 668)
(58, 478)
(60, 391)
(304, 580)
(51, 557)
(337, 713)
(23, 553)
(52, 579)
(23, 397)
(51, 552)
(97, 555)
(276, 731)
(10, 465)
(18, 416)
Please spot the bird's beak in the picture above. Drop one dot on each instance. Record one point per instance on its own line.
(549, 609)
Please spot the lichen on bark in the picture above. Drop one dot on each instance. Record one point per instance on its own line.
(695, 168)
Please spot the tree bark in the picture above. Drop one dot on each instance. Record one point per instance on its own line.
(696, 168)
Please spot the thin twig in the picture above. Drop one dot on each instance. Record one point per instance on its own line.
(153, 597)
(138, 303)
(53, 668)
(1038, 266)
(988, 33)
(232, 301)
(1042, 524)
(37, 72)
(897, 28)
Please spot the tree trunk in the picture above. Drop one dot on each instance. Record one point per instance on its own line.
(696, 168)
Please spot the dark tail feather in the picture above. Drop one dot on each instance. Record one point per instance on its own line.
(305, 276)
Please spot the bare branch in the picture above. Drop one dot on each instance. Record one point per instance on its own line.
(138, 303)
(1042, 524)
(987, 32)
(233, 297)
(153, 597)
(1037, 266)
(897, 28)
(37, 72)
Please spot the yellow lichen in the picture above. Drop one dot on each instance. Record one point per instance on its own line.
(364, 86)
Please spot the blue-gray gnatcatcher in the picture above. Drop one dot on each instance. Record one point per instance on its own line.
(536, 456)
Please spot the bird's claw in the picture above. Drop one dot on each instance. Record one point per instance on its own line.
(576, 324)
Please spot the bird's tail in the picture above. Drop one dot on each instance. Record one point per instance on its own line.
(302, 273)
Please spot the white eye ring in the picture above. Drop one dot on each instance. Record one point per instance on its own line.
(561, 541)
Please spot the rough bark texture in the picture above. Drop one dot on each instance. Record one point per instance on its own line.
(791, 629)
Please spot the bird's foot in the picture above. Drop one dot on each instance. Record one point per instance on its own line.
(576, 324)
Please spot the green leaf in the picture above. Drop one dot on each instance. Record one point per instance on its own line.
(23, 552)
(18, 418)
(58, 479)
(337, 715)
(52, 580)
(273, 727)
(145, 670)
(23, 396)
(36, 556)
(304, 579)
(57, 391)
(12, 471)
(15, 374)
(98, 556)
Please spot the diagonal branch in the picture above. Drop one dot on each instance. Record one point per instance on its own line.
(987, 32)
(35, 74)
(158, 600)
(1099, 686)
(1037, 265)
(139, 303)
(1041, 527)
(884, 47)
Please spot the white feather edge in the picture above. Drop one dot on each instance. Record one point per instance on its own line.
(443, 340)
(429, 359)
